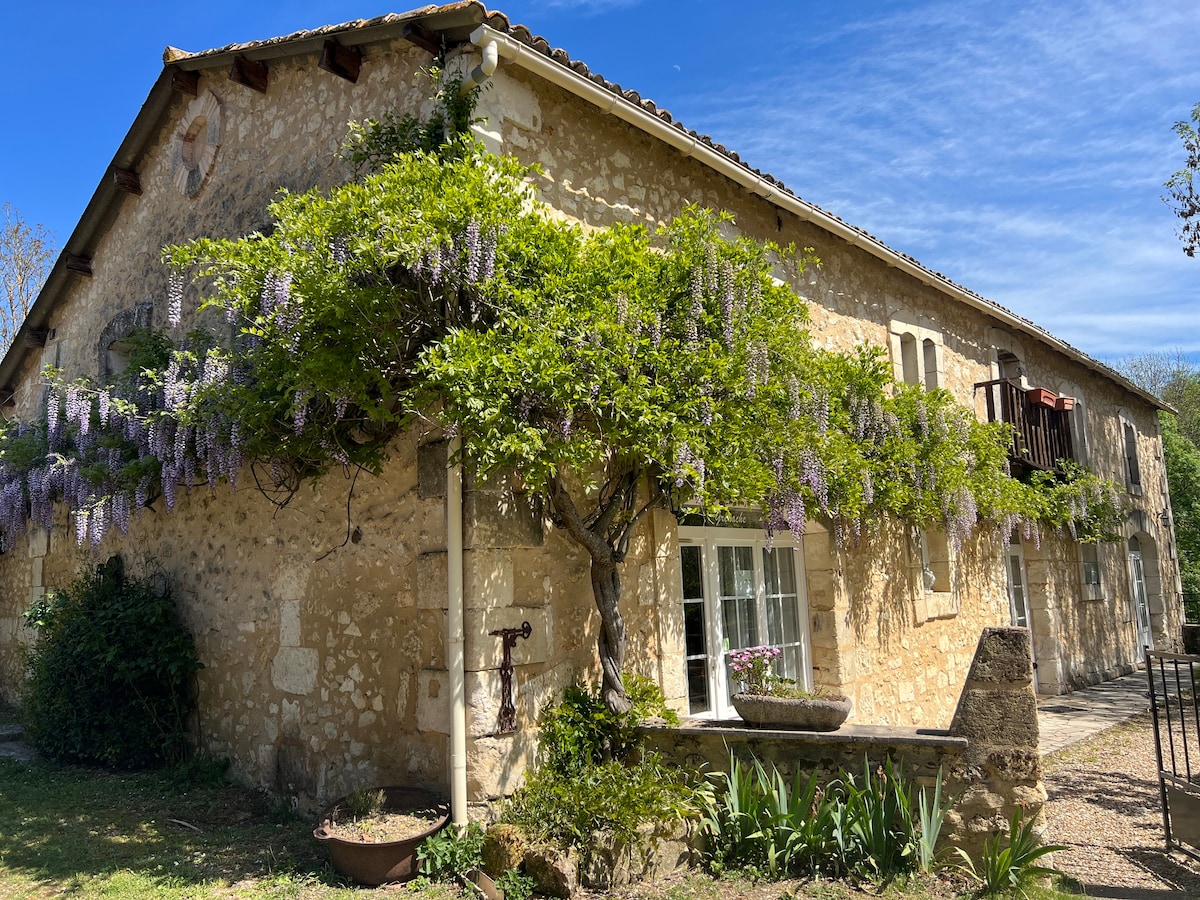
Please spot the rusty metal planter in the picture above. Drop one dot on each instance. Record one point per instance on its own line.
(385, 861)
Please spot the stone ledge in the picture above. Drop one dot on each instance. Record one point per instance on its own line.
(847, 734)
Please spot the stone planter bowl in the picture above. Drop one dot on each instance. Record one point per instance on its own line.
(820, 714)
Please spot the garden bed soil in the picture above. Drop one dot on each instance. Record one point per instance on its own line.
(381, 827)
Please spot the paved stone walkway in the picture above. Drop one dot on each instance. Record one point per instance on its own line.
(1067, 718)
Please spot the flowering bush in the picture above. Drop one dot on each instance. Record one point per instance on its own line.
(754, 666)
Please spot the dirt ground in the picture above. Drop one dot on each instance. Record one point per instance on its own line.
(1104, 807)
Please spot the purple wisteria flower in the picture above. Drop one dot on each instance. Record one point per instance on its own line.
(174, 299)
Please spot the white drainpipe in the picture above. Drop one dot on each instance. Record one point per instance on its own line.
(455, 636)
(487, 67)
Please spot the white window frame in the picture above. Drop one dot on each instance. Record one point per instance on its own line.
(934, 554)
(1093, 589)
(709, 539)
(917, 354)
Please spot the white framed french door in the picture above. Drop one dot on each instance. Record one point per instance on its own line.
(739, 593)
(1018, 597)
(1141, 604)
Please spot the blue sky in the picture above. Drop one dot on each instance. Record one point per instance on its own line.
(1019, 148)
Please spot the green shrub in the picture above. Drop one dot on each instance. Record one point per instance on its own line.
(613, 798)
(1009, 869)
(876, 834)
(515, 885)
(111, 672)
(931, 815)
(592, 775)
(580, 730)
(757, 820)
(451, 853)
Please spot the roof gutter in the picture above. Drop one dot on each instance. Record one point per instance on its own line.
(514, 51)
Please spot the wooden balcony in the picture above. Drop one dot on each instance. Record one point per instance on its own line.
(1041, 433)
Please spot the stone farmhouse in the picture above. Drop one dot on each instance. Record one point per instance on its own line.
(329, 666)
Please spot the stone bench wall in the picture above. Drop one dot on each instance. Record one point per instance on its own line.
(989, 756)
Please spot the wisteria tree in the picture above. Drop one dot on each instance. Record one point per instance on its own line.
(615, 370)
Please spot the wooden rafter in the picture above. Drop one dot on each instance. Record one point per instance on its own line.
(80, 264)
(427, 40)
(186, 82)
(127, 180)
(345, 62)
(250, 73)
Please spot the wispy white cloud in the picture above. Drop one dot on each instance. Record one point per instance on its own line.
(1018, 148)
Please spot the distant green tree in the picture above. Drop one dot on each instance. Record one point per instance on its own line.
(1183, 478)
(1175, 380)
(1182, 196)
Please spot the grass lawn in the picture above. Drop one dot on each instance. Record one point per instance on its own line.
(90, 834)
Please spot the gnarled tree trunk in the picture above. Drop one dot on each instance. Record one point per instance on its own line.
(606, 586)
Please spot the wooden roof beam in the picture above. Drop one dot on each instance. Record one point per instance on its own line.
(81, 265)
(127, 180)
(186, 82)
(345, 62)
(249, 73)
(429, 41)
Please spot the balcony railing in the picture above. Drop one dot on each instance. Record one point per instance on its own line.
(1041, 433)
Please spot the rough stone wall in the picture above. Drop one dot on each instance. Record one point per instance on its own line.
(324, 657)
(898, 651)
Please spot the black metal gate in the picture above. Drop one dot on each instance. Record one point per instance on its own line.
(1175, 707)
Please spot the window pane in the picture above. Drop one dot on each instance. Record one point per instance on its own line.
(780, 570)
(693, 628)
(693, 572)
(741, 624)
(1020, 612)
(697, 678)
(787, 665)
(737, 571)
(791, 621)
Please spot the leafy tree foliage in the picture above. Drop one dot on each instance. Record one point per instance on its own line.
(1176, 381)
(1182, 195)
(25, 257)
(615, 370)
(1183, 478)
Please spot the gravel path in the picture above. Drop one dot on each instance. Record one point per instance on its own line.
(1104, 806)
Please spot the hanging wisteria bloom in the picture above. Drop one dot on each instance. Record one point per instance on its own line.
(174, 299)
(300, 411)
